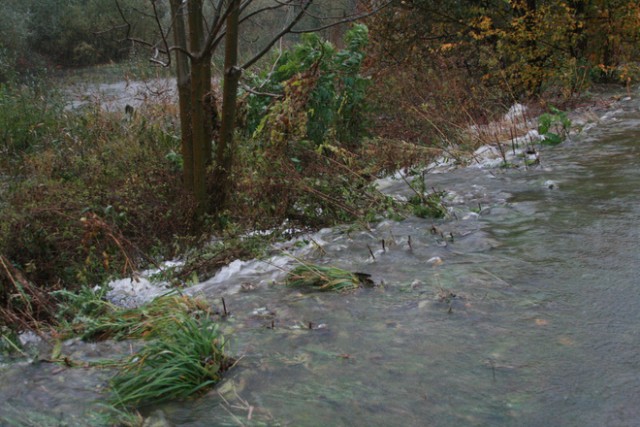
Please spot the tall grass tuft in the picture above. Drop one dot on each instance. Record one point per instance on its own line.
(188, 359)
(185, 352)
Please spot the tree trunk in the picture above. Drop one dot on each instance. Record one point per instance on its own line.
(200, 88)
(578, 45)
(184, 91)
(224, 147)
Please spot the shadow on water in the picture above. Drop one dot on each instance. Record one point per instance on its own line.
(525, 314)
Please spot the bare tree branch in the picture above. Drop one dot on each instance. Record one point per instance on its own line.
(273, 66)
(213, 36)
(345, 20)
(163, 36)
(114, 28)
(165, 51)
(215, 42)
(127, 25)
(285, 30)
(216, 19)
(247, 88)
(261, 10)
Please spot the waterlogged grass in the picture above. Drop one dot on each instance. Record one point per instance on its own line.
(95, 319)
(429, 205)
(326, 278)
(188, 359)
(185, 352)
(9, 342)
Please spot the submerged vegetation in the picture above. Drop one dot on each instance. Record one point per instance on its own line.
(184, 353)
(95, 319)
(189, 358)
(554, 126)
(326, 278)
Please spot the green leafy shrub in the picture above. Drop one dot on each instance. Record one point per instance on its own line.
(334, 101)
(299, 142)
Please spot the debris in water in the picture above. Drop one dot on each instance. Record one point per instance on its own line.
(436, 260)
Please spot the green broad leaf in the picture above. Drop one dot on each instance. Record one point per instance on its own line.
(551, 138)
(544, 124)
(57, 350)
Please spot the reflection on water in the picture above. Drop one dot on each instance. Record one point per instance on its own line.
(529, 317)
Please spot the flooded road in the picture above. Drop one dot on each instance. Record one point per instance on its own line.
(522, 309)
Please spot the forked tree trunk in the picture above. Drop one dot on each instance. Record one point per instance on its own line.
(198, 114)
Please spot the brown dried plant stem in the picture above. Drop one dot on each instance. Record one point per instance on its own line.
(36, 304)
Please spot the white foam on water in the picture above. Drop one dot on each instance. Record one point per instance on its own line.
(229, 279)
(135, 291)
(515, 113)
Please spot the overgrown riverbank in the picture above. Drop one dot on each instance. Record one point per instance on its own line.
(207, 165)
(90, 195)
(491, 280)
(93, 194)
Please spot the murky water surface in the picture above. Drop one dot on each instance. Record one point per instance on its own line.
(524, 314)
(118, 95)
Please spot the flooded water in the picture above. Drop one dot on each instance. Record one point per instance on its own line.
(118, 95)
(522, 309)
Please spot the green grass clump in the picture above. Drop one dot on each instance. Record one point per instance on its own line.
(96, 319)
(326, 278)
(184, 353)
(188, 359)
(429, 205)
